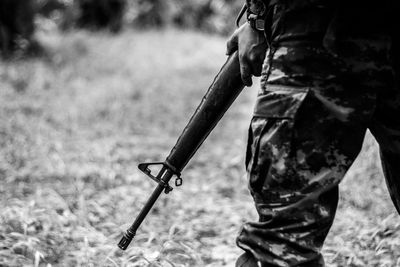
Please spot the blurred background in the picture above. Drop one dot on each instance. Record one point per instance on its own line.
(91, 88)
(19, 19)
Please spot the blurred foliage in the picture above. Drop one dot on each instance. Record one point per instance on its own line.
(209, 15)
(100, 14)
(147, 13)
(48, 8)
(91, 14)
(16, 25)
(17, 17)
(215, 16)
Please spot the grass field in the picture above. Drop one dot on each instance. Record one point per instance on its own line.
(75, 124)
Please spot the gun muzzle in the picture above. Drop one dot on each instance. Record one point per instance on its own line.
(126, 239)
(162, 179)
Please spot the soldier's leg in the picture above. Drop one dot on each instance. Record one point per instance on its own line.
(310, 122)
(386, 129)
(296, 165)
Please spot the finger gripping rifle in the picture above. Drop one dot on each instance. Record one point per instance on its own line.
(225, 88)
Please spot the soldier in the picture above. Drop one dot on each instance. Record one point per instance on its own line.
(327, 75)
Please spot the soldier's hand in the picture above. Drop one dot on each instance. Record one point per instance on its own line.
(251, 46)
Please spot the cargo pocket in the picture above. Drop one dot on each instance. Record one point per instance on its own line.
(271, 133)
(257, 169)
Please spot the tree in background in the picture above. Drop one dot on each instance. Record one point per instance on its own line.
(96, 14)
(215, 16)
(17, 17)
(16, 26)
(148, 13)
(192, 14)
(47, 8)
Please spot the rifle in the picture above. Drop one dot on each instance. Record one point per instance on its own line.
(223, 91)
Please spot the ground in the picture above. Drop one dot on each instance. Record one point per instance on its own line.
(75, 124)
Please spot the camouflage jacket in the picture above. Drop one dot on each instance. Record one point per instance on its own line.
(332, 20)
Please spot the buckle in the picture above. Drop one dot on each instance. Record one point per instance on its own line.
(259, 24)
(256, 22)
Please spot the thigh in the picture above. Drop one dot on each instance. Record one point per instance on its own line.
(299, 152)
(295, 139)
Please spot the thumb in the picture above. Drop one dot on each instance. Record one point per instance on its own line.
(232, 44)
(245, 71)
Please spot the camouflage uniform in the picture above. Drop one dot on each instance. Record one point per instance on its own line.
(323, 85)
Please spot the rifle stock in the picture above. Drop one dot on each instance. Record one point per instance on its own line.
(223, 91)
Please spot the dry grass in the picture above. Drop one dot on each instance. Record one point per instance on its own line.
(74, 126)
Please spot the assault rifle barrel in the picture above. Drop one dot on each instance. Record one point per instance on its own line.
(225, 88)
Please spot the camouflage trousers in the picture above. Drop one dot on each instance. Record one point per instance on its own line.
(310, 119)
